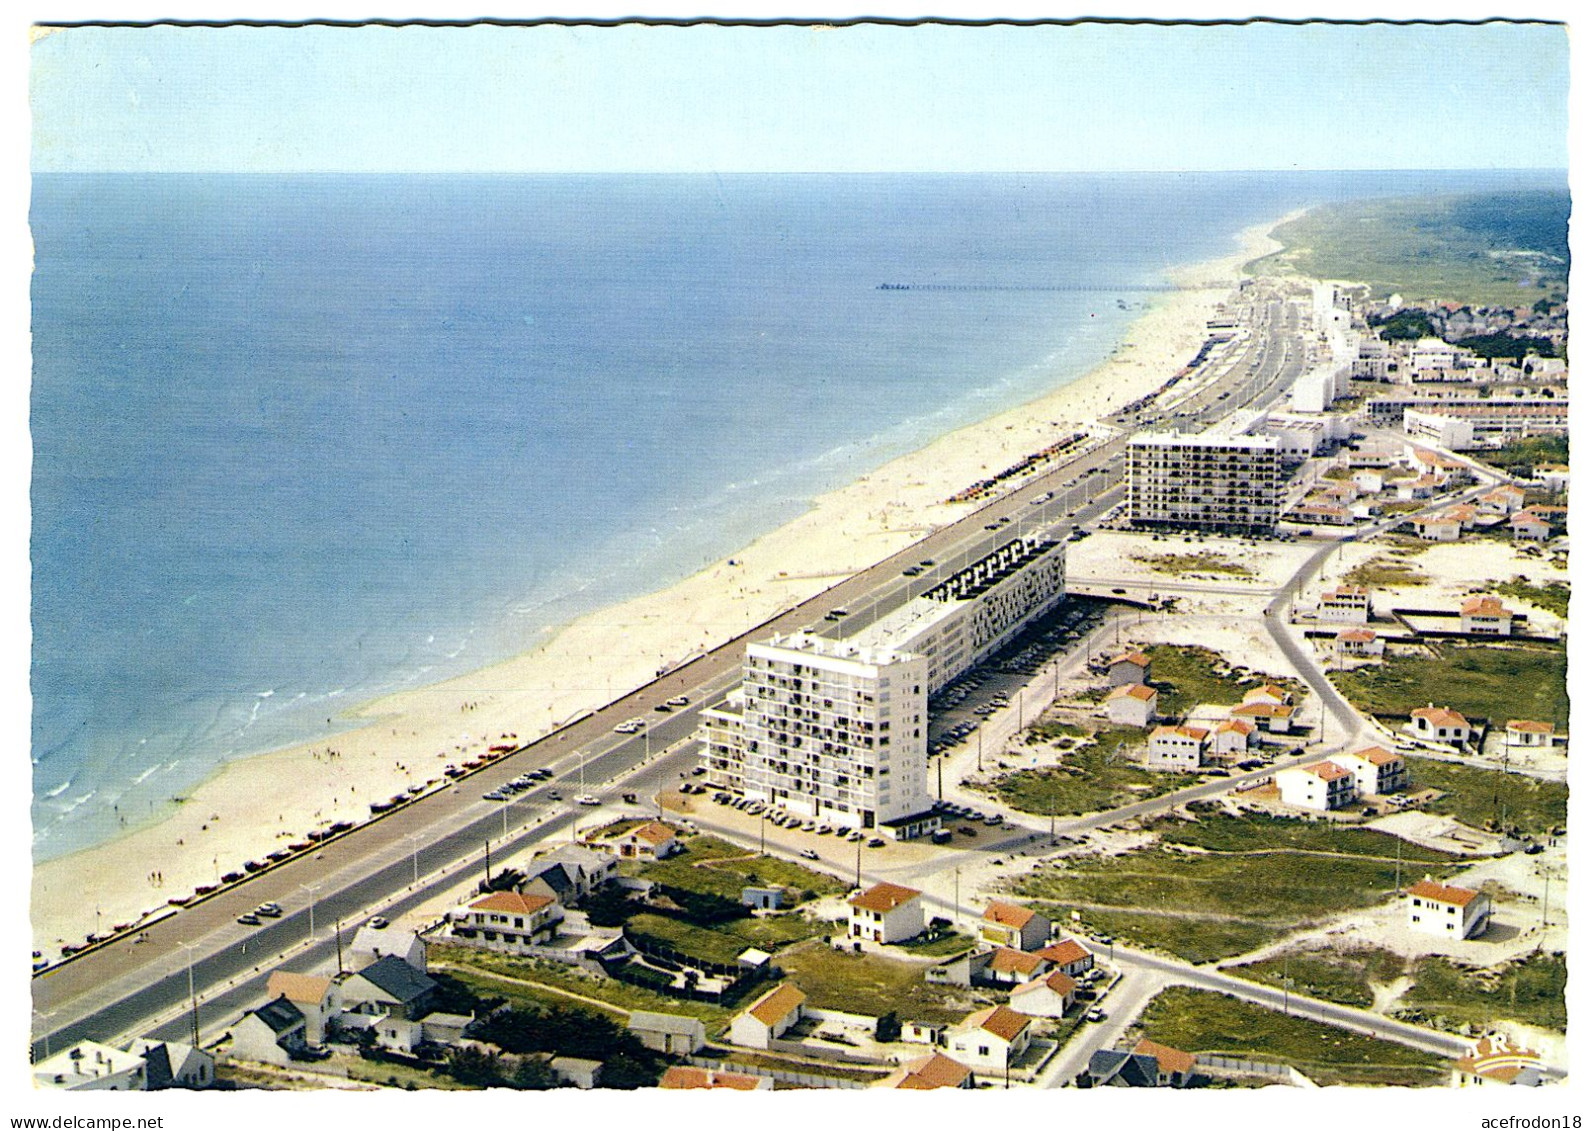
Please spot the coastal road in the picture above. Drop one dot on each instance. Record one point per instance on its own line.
(103, 991)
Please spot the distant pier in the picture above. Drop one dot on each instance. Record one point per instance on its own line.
(1101, 288)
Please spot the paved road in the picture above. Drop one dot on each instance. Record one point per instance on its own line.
(108, 990)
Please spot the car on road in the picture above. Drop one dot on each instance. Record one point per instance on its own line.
(494, 795)
(269, 910)
(808, 854)
(1095, 1014)
(966, 830)
(678, 701)
(911, 571)
(376, 922)
(249, 919)
(992, 819)
(876, 842)
(554, 795)
(664, 707)
(588, 799)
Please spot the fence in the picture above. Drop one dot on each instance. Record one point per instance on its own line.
(782, 1075)
(1282, 1073)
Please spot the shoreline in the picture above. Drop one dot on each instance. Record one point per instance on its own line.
(405, 738)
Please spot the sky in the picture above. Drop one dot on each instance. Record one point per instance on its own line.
(802, 99)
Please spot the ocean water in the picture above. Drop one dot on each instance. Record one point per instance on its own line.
(300, 441)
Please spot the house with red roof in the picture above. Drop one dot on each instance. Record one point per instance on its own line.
(1485, 616)
(1048, 996)
(1009, 924)
(1359, 642)
(1376, 770)
(1174, 1067)
(1179, 748)
(768, 1018)
(1323, 786)
(1447, 911)
(886, 913)
(1346, 604)
(1231, 738)
(508, 920)
(991, 1040)
(1069, 956)
(651, 840)
(1439, 724)
(1528, 734)
(1130, 667)
(1132, 704)
(687, 1076)
(933, 1071)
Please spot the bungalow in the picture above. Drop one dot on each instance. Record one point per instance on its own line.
(1359, 642)
(570, 874)
(1529, 527)
(271, 1034)
(1347, 604)
(1174, 1067)
(1462, 513)
(1069, 956)
(1439, 724)
(1320, 512)
(1129, 667)
(1437, 528)
(1008, 924)
(1528, 733)
(685, 1076)
(1132, 704)
(1495, 1059)
(1505, 500)
(1177, 748)
(89, 1066)
(389, 985)
(767, 1019)
(397, 1033)
(172, 1064)
(1452, 912)
(671, 1033)
(933, 1071)
(651, 841)
(1231, 738)
(510, 918)
(1276, 717)
(992, 1039)
(1271, 693)
(318, 999)
(1119, 1068)
(923, 1032)
(1322, 786)
(1485, 616)
(1376, 771)
(372, 943)
(1009, 967)
(1421, 487)
(1049, 996)
(886, 913)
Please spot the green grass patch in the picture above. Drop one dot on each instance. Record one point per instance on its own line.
(702, 943)
(1448, 994)
(1491, 799)
(1203, 561)
(1521, 457)
(1187, 676)
(1385, 571)
(1191, 938)
(1499, 248)
(1554, 596)
(1087, 780)
(1051, 732)
(947, 945)
(1341, 976)
(1200, 1021)
(1259, 833)
(711, 866)
(1495, 682)
(870, 984)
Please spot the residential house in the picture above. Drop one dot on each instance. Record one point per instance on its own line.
(1506, 499)
(1177, 748)
(1069, 956)
(1462, 513)
(1321, 512)
(1528, 734)
(671, 1033)
(923, 1032)
(1529, 527)
(1495, 1059)
(1420, 487)
(1451, 912)
(1322, 786)
(1485, 616)
(1376, 771)
(1437, 527)
(1271, 693)
(766, 1020)
(1174, 1067)
(173, 1064)
(685, 1076)
(1358, 643)
(1368, 481)
(1128, 668)
(318, 999)
(653, 840)
(570, 874)
(389, 985)
(1048, 996)
(991, 1040)
(271, 1034)
(1008, 924)
(1439, 724)
(397, 1033)
(886, 913)
(89, 1066)
(1277, 718)
(511, 919)
(372, 943)
(1346, 604)
(1231, 738)
(445, 1029)
(1132, 704)
(1119, 1068)
(933, 1071)
(1008, 967)
(762, 899)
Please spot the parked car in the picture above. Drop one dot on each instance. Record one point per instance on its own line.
(249, 919)
(1095, 1014)
(678, 701)
(808, 854)
(587, 799)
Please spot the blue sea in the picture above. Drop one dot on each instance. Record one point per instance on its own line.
(301, 441)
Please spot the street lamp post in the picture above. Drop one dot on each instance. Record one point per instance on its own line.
(193, 998)
(414, 855)
(312, 889)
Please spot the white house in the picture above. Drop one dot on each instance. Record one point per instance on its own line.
(1528, 734)
(271, 1034)
(671, 1033)
(508, 920)
(372, 943)
(1132, 704)
(1269, 693)
(1506, 499)
(1049, 996)
(1368, 481)
(317, 998)
(991, 1040)
(570, 874)
(1485, 616)
(1069, 956)
(1277, 718)
(1376, 771)
(1453, 913)
(1177, 748)
(1437, 528)
(389, 985)
(1529, 527)
(653, 840)
(89, 1066)
(1007, 966)
(1007, 924)
(173, 1064)
(1129, 667)
(768, 1017)
(1231, 738)
(1347, 604)
(1358, 642)
(1321, 786)
(1174, 1068)
(886, 913)
(1439, 724)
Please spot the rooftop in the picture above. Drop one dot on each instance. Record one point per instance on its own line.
(1442, 893)
(883, 897)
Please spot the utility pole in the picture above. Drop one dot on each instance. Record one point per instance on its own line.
(859, 863)
(488, 844)
(193, 998)
(1398, 868)
(939, 773)
(338, 932)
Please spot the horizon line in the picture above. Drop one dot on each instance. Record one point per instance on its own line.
(531, 172)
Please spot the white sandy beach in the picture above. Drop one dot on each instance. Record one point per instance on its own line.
(256, 804)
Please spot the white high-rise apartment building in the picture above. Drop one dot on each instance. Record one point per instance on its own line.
(1222, 483)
